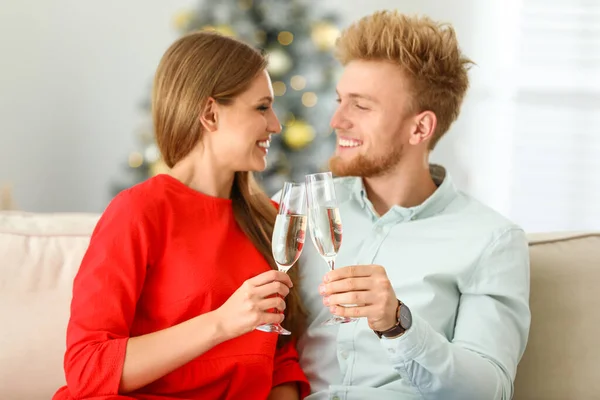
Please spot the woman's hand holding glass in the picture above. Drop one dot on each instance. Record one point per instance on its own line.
(250, 306)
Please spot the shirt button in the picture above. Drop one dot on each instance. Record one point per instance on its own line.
(391, 351)
(344, 354)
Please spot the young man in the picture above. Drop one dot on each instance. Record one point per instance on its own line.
(441, 282)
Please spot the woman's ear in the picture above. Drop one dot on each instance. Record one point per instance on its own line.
(209, 115)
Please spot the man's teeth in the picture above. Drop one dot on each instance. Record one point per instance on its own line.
(349, 143)
(265, 144)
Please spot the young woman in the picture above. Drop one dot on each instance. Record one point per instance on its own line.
(179, 270)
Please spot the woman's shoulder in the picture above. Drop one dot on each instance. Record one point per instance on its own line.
(137, 193)
(138, 200)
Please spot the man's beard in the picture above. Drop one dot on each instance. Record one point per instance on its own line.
(365, 166)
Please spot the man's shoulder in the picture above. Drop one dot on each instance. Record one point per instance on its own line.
(481, 219)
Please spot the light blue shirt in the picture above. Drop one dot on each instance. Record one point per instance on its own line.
(461, 268)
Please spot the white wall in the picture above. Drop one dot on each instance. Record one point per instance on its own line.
(73, 73)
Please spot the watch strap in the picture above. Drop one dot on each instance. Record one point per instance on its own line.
(394, 331)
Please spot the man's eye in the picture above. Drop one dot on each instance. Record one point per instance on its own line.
(361, 107)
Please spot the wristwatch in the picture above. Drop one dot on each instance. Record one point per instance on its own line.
(404, 317)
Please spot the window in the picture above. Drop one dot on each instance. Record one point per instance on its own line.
(555, 168)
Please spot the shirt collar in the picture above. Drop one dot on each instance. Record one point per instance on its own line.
(434, 204)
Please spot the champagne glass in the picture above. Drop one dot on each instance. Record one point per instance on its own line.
(325, 225)
(288, 235)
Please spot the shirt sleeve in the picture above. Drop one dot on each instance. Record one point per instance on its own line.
(490, 335)
(105, 293)
(287, 369)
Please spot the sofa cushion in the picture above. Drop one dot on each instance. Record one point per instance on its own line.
(39, 256)
(561, 359)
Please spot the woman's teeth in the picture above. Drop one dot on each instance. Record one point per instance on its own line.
(265, 144)
(349, 143)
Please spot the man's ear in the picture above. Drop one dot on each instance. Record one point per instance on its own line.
(209, 115)
(424, 127)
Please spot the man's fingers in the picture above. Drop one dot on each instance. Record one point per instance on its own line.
(352, 312)
(352, 271)
(346, 285)
(271, 276)
(360, 298)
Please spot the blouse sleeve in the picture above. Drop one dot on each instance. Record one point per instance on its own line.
(287, 369)
(105, 293)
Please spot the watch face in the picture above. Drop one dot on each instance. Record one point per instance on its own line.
(405, 317)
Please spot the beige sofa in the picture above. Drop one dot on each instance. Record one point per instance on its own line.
(40, 253)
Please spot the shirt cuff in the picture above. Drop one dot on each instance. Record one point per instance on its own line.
(410, 344)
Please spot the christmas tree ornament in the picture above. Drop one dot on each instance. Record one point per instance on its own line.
(324, 35)
(279, 88)
(309, 99)
(182, 19)
(279, 62)
(298, 135)
(298, 82)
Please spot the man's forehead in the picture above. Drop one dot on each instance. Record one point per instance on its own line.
(357, 95)
(371, 76)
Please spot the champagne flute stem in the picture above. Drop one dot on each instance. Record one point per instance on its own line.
(331, 264)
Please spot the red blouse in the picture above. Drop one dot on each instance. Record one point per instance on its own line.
(161, 254)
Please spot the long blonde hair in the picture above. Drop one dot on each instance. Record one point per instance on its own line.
(202, 65)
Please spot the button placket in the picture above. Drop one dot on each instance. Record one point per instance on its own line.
(344, 342)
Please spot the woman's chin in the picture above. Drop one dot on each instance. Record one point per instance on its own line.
(255, 166)
(261, 167)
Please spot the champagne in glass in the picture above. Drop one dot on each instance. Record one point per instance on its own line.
(325, 225)
(288, 235)
(326, 232)
(288, 239)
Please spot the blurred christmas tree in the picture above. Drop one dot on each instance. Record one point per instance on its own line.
(298, 37)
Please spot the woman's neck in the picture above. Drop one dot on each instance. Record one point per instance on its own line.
(203, 174)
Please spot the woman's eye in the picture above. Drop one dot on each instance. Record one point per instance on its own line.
(263, 108)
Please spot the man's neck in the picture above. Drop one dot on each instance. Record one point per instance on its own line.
(407, 185)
